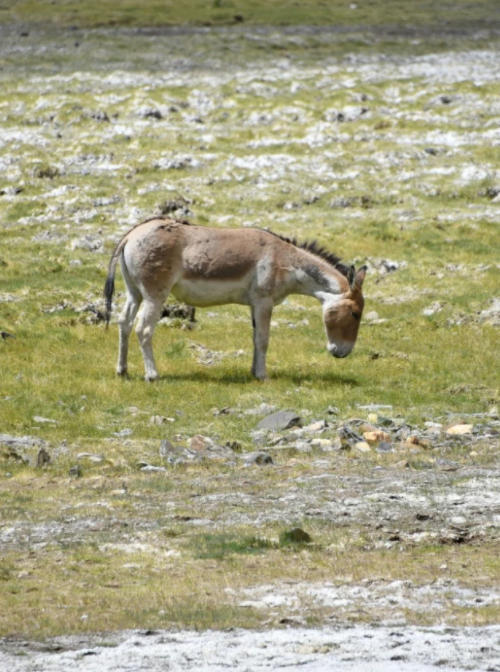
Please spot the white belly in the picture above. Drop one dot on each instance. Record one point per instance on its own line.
(204, 292)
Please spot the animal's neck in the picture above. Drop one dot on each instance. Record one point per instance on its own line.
(315, 277)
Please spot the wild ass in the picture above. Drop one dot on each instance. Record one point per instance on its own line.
(207, 267)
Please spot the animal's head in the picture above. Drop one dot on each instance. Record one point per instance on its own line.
(342, 315)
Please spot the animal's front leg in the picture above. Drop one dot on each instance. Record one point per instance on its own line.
(262, 311)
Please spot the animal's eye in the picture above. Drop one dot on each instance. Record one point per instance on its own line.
(357, 316)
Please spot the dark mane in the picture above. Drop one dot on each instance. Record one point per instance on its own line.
(313, 247)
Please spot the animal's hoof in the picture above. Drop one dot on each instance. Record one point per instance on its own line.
(263, 378)
(122, 372)
(151, 378)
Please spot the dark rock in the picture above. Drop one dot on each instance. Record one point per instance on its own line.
(5, 335)
(152, 114)
(76, 471)
(42, 458)
(179, 310)
(349, 435)
(100, 115)
(259, 457)
(280, 420)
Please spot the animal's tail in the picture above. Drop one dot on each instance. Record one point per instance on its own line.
(109, 287)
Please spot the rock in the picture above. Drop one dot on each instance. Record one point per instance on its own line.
(363, 447)
(259, 457)
(295, 536)
(447, 465)
(199, 442)
(318, 426)
(123, 433)
(374, 407)
(376, 436)
(384, 447)
(372, 315)
(235, 446)
(459, 430)
(159, 420)
(42, 458)
(263, 408)
(166, 448)
(436, 307)
(492, 314)
(149, 468)
(260, 437)
(348, 434)
(280, 420)
(8, 453)
(417, 441)
(333, 410)
(76, 471)
(41, 421)
(324, 444)
(214, 452)
(91, 457)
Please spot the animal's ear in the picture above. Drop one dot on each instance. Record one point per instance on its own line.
(351, 276)
(360, 276)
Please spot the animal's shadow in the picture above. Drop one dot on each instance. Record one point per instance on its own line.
(241, 377)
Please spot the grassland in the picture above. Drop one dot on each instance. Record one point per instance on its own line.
(383, 150)
(148, 13)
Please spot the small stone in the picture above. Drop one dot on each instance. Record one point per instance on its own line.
(333, 410)
(199, 442)
(123, 433)
(96, 459)
(384, 447)
(42, 458)
(324, 444)
(76, 471)
(417, 441)
(40, 420)
(372, 315)
(318, 426)
(459, 430)
(157, 420)
(280, 420)
(259, 457)
(372, 417)
(376, 437)
(473, 453)
(363, 447)
(149, 468)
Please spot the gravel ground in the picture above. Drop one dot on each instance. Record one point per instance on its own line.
(352, 649)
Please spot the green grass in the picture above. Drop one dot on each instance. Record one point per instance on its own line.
(156, 550)
(226, 12)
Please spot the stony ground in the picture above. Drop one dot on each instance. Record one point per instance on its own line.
(367, 532)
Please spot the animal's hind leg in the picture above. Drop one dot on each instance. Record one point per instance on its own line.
(126, 322)
(150, 314)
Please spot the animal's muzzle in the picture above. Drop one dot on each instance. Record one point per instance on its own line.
(339, 352)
